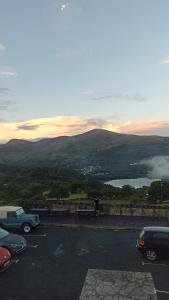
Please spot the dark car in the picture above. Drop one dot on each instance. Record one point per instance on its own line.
(5, 259)
(14, 243)
(153, 242)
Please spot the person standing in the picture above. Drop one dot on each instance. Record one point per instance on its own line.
(96, 205)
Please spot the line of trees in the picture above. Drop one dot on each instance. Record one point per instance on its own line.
(28, 186)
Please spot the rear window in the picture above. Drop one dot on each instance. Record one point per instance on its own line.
(160, 235)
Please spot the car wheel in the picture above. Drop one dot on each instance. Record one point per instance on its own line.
(26, 228)
(151, 254)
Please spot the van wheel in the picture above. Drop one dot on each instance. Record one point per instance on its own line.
(151, 254)
(26, 228)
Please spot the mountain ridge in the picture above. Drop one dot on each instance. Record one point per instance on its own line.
(100, 153)
(88, 133)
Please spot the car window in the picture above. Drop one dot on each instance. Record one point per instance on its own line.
(3, 233)
(160, 235)
(11, 214)
(19, 211)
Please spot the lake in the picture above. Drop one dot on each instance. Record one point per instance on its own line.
(135, 182)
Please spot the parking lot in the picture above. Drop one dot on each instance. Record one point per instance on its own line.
(57, 260)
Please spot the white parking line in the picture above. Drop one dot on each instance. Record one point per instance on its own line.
(83, 251)
(32, 246)
(154, 264)
(36, 235)
(14, 261)
(59, 251)
(164, 292)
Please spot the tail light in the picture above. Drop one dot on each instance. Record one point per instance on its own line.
(141, 242)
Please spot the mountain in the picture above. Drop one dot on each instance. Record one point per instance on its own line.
(100, 153)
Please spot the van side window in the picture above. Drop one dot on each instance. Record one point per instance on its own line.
(11, 214)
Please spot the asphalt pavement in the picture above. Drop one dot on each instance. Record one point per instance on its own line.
(104, 220)
(57, 260)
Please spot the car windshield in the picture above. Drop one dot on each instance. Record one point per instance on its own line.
(19, 211)
(3, 233)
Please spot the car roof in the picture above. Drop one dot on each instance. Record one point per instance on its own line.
(9, 208)
(157, 228)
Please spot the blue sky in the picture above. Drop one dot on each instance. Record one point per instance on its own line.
(69, 66)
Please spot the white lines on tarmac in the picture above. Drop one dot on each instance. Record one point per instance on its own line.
(35, 235)
(154, 264)
(163, 292)
(14, 261)
(32, 246)
(59, 251)
(83, 252)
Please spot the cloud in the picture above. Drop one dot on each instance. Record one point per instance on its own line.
(165, 61)
(65, 14)
(5, 105)
(72, 125)
(4, 91)
(28, 126)
(129, 97)
(104, 97)
(100, 96)
(158, 167)
(51, 127)
(160, 128)
(2, 120)
(62, 7)
(68, 54)
(2, 47)
(7, 71)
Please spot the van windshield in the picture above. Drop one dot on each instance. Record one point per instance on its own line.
(19, 211)
(3, 233)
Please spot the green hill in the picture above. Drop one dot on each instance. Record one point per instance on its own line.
(99, 153)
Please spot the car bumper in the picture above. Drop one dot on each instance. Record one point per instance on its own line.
(19, 249)
(140, 249)
(5, 265)
(36, 224)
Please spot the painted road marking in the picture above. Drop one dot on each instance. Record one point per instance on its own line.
(164, 292)
(83, 252)
(32, 246)
(154, 264)
(36, 235)
(15, 261)
(59, 251)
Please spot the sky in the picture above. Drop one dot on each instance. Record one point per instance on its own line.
(70, 66)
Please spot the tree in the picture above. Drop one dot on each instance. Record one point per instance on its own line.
(59, 191)
(127, 191)
(159, 190)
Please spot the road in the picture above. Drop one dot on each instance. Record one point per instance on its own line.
(57, 259)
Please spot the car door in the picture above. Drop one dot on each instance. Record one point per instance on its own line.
(160, 242)
(11, 220)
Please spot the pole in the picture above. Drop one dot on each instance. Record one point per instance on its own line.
(161, 190)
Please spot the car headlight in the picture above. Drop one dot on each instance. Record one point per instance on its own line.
(15, 245)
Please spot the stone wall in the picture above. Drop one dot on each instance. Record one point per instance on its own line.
(122, 210)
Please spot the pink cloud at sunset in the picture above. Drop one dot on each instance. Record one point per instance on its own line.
(72, 125)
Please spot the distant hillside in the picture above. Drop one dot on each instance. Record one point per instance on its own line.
(100, 153)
